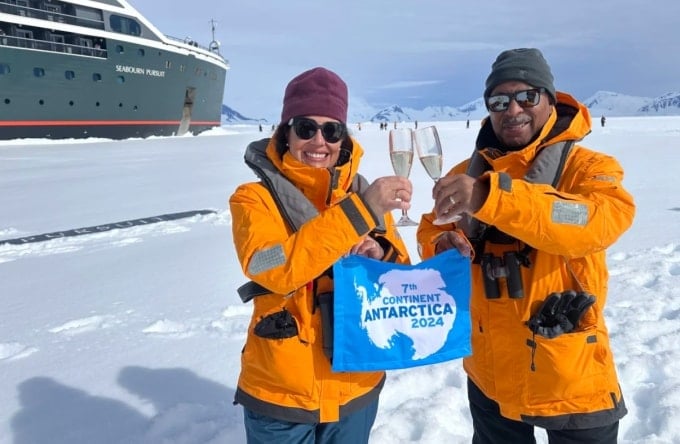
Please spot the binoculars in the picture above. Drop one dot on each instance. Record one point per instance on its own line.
(506, 267)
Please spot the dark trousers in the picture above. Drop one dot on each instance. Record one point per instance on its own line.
(492, 428)
(352, 429)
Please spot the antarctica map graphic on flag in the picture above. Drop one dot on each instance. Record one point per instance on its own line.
(390, 316)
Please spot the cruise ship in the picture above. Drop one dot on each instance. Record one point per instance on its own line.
(98, 68)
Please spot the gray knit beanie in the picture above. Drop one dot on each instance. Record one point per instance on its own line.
(524, 65)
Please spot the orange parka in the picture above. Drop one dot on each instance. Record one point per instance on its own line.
(290, 377)
(569, 381)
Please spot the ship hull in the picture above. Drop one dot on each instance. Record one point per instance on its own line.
(130, 89)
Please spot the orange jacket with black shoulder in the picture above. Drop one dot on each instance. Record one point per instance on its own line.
(284, 371)
(569, 381)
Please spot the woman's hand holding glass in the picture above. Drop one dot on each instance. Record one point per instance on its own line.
(388, 193)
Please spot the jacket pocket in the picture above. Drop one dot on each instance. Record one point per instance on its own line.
(565, 368)
(278, 325)
(275, 368)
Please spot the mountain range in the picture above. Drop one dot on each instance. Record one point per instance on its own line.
(605, 103)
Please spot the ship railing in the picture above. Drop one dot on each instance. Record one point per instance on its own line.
(214, 48)
(188, 41)
(45, 45)
(25, 11)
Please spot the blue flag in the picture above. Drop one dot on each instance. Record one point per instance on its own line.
(393, 316)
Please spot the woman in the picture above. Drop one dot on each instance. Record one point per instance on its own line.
(309, 209)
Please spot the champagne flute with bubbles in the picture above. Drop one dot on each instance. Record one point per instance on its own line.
(430, 153)
(401, 155)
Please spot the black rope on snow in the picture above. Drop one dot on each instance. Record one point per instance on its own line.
(104, 227)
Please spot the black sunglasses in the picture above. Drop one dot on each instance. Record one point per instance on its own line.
(306, 129)
(526, 99)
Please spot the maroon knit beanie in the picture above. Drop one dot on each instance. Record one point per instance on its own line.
(317, 92)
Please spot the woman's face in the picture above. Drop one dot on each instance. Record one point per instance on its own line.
(316, 151)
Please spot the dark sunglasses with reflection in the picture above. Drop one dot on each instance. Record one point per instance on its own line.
(306, 128)
(527, 98)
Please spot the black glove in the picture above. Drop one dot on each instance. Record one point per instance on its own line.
(560, 313)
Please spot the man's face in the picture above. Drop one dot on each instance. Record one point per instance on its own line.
(516, 126)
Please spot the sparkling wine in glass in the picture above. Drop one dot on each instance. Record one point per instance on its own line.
(401, 155)
(430, 153)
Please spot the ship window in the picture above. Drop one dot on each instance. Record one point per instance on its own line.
(70, 103)
(88, 16)
(39, 72)
(168, 64)
(181, 68)
(119, 49)
(124, 25)
(41, 102)
(24, 3)
(70, 75)
(57, 38)
(24, 36)
(120, 79)
(97, 77)
(140, 52)
(4, 68)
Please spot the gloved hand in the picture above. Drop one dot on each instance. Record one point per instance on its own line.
(560, 313)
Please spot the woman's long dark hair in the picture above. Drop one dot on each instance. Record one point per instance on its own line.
(281, 137)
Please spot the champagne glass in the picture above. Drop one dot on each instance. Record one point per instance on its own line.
(430, 153)
(401, 155)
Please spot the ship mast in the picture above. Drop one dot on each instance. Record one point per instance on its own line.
(214, 44)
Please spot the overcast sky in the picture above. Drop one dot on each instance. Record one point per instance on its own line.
(417, 53)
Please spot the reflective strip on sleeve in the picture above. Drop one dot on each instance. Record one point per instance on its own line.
(505, 182)
(569, 213)
(267, 259)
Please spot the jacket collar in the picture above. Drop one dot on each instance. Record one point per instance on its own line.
(322, 186)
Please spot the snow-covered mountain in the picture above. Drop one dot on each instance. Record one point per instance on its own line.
(668, 104)
(230, 115)
(601, 103)
(614, 104)
(394, 113)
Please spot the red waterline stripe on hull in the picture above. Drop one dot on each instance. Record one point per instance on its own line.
(101, 122)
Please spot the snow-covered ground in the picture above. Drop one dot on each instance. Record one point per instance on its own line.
(134, 335)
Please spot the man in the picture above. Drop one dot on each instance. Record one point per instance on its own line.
(539, 212)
